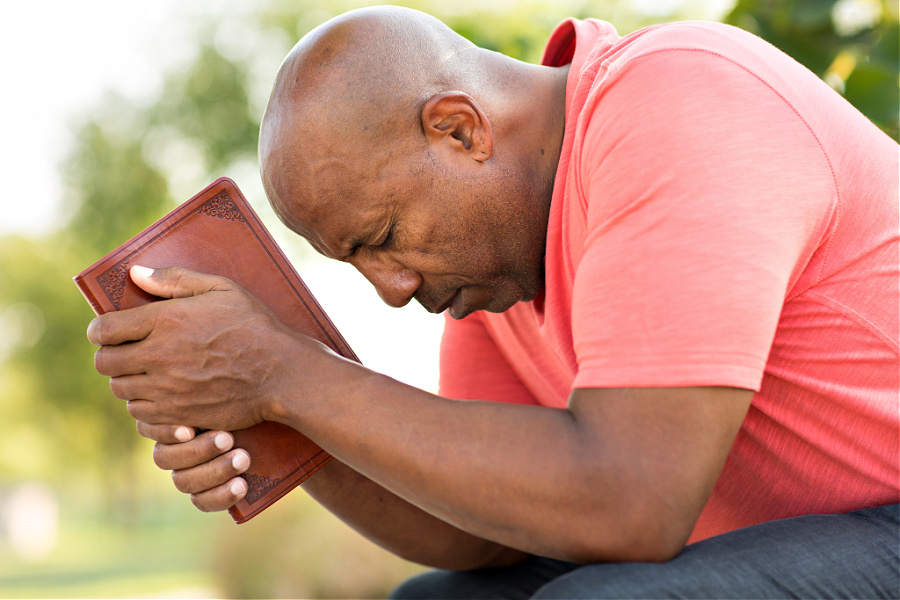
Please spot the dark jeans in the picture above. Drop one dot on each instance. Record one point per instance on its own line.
(853, 555)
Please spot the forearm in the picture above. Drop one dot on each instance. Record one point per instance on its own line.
(499, 472)
(400, 527)
(620, 474)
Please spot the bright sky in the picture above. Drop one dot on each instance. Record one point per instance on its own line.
(57, 58)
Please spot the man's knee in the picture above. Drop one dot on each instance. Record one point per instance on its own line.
(635, 580)
(419, 587)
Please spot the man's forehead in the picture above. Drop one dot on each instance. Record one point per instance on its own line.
(327, 190)
(334, 224)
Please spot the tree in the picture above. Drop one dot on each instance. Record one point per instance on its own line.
(851, 44)
(131, 162)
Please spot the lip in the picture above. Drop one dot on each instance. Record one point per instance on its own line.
(456, 307)
(447, 304)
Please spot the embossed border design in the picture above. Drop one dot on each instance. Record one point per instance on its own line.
(221, 206)
(114, 279)
(259, 486)
(113, 282)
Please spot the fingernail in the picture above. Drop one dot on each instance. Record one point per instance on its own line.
(240, 461)
(141, 271)
(183, 434)
(223, 441)
(238, 487)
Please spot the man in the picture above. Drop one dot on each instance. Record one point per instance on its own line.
(671, 261)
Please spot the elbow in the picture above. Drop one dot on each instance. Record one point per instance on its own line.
(645, 542)
(474, 554)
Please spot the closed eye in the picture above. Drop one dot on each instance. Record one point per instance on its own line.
(387, 238)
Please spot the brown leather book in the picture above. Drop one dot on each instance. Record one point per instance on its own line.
(218, 232)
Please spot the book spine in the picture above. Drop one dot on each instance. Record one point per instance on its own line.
(88, 295)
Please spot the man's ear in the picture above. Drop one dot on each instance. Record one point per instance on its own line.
(455, 118)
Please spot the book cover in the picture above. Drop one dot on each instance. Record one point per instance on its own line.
(217, 232)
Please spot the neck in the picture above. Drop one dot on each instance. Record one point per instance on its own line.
(532, 101)
(555, 126)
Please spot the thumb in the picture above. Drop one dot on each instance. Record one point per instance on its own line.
(177, 282)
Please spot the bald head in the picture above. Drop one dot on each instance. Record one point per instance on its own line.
(384, 120)
(371, 60)
(358, 83)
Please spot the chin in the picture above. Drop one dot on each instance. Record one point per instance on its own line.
(493, 305)
(499, 304)
(499, 299)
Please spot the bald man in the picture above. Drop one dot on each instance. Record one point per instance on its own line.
(670, 263)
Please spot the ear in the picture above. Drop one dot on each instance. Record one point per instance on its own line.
(456, 119)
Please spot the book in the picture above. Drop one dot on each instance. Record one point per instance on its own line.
(217, 232)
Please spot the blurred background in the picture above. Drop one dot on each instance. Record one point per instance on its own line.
(114, 113)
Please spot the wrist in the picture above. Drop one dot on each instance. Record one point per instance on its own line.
(277, 382)
(305, 376)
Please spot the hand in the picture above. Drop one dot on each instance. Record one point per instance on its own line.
(204, 466)
(212, 356)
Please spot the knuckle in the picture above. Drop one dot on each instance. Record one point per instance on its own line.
(176, 277)
(157, 433)
(220, 282)
(160, 457)
(182, 483)
(198, 502)
(100, 360)
(136, 408)
(171, 272)
(95, 331)
(117, 387)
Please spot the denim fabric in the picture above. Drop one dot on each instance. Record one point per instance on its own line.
(854, 555)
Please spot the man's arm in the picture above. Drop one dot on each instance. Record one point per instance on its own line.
(619, 475)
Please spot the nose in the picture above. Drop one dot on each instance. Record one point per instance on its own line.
(395, 283)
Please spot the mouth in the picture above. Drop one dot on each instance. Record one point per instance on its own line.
(445, 305)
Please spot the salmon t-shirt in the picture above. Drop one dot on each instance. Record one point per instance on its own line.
(720, 217)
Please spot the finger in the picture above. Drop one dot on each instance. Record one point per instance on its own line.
(167, 434)
(212, 474)
(221, 497)
(114, 328)
(177, 282)
(197, 451)
(129, 388)
(139, 408)
(114, 361)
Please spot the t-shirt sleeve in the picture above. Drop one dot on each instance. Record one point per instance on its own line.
(705, 194)
(473, 368)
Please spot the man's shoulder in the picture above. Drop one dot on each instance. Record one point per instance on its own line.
(705, 42)
(703, 38)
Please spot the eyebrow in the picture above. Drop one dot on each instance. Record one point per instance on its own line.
(357, 241)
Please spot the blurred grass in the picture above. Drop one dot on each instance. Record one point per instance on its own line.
(94, 558)
(125, 159)
(295, 549)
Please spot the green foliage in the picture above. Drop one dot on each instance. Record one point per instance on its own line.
(299, 550)
(49, 360)
(128, 159)
(94, 558)
(519, 30)
(113, 191)
(209, 103)
(852, 44)
(55, 406)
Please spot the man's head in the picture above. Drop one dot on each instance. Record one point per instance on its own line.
(394, 144)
